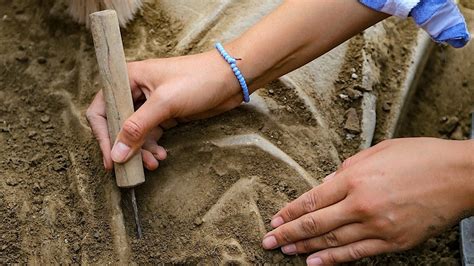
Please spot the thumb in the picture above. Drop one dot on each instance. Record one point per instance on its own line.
(134, 130)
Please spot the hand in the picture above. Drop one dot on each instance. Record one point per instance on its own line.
(182, 88)
(387, 198)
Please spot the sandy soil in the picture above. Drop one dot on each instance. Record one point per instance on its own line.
(225, 177)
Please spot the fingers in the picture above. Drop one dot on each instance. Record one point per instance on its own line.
(339, 237)
(319, 197)
(98, 122)
(308, 226)
(354, 251)
(151, 144)
(149, 161)
(134, 130)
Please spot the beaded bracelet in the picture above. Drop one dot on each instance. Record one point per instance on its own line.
(233, 64)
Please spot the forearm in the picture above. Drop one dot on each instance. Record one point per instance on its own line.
(296, 33)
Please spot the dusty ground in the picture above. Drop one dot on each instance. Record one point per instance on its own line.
(225, 177)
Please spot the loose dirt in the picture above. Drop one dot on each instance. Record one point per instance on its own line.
(210, 201)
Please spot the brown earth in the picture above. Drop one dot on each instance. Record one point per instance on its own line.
(211, 200)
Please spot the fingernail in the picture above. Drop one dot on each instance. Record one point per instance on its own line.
(289, 249)
(329, 176)
(314, 261)
(277, 221)
(120, 152)
(269, 242)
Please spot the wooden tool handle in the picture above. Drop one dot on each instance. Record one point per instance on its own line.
(117, 94)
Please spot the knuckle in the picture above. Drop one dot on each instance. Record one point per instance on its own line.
(363, 208)
(309, 201)
(354, 182)
(133, 130)
(310, 224)
(330, 239)
(284, 236)
(357, 252)
(382, 224)
(288, 213)
(331, 258)
(305, 246)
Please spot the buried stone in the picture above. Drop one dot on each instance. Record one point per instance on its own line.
(352, 124)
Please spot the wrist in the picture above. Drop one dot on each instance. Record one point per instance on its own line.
(465, 170)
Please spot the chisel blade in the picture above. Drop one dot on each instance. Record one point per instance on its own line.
(135, 213)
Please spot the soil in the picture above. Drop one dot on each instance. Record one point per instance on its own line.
(212, 199)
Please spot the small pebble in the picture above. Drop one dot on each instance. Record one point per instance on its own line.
(353, 70)
(353, 94)
(42, 60)
(32, 134)
(344, 96)
(354, 76)
(270, 91)
(386, 106)
(12, 182)
(22, 59)
(45, 118)
(198, 221)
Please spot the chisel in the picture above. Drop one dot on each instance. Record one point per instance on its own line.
(118, 97)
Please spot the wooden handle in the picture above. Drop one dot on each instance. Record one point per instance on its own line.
(117, 94)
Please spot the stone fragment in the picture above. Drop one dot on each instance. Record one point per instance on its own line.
(457, 134)
(42, 60)
(386, 106)
(45, 118)
(12, 182)
(354, 76)
(352, 124)
(448, 125)
(198, 221)
(353, 94)
(22, 58)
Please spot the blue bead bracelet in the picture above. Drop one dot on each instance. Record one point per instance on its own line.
(233, 65)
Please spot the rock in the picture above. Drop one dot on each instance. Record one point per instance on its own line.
(386, 106)
(353, 70)
(32, 134)
(45, 118)
(353, 94)
(362, 88)
(198, 221)
(42, 60)
(354, 76)
(449, 123)
(96, 235)
(37, 200)
(271, 92)
(22, 59)
(49, 141)
(12, 182)
(344, 96)
(352, 124)
(457, 133)
(36, 187)
(76, 247)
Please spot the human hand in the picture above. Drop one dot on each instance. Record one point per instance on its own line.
(387, 198)
(163, 91)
